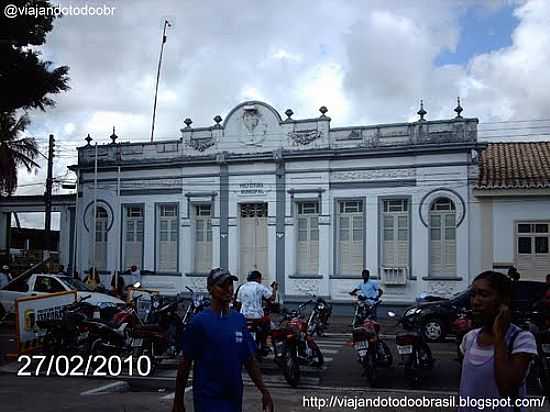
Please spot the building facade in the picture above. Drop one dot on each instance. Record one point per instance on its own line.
(308, 205)
(513, 194)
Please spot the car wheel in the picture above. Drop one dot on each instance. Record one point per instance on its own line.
(434, 330)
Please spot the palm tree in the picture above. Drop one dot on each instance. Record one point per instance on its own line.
(15, 151)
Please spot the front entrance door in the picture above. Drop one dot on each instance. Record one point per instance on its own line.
(253, 228)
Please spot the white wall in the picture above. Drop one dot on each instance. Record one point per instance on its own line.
(506, 211)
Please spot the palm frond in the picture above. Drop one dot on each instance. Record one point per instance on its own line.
(15, 151)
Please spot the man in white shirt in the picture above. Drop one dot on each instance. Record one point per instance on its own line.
(5, 277)
(250, 296)
(134, 276)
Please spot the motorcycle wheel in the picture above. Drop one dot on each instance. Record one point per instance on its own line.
(97, 347)
(317, 358)
(51, 344)
(425, 357)
(541, 376)
(369, 367)
(321, 329)
(412, 374)
(291, 371)
(388, 357)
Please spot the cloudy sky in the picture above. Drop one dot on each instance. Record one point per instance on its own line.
(367, 61)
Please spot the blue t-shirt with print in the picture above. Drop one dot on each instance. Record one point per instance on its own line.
(218, 345)
(369, 289)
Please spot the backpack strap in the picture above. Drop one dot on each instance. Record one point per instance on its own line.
(510, 349)
(513, 339)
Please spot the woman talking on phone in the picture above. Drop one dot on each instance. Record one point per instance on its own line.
(496, 354)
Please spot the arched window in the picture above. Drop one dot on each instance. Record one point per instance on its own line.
(443, 238)
(101, 224)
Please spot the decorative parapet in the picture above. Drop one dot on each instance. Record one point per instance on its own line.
(304, 137)
(256, 128)
(200, 145)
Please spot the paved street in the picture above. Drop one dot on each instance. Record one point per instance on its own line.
(341, 376)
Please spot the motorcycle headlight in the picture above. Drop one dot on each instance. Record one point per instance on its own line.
(156, 304)
(321, 306)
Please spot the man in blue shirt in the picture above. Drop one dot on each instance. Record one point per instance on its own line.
(368, 288)
(218, 343)
(369, 291)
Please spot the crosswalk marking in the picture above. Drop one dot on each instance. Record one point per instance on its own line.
(331, 351)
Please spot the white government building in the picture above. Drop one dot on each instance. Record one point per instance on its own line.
(423, 205)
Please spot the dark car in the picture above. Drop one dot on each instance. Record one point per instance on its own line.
(437, 317)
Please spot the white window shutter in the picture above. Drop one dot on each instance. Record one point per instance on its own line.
(203, 244)
(133, 247)
(314, 257)
(403, 253)
(388, 253)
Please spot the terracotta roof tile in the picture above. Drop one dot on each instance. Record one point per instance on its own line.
(515, 166)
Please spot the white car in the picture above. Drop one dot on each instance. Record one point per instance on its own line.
(44, 283)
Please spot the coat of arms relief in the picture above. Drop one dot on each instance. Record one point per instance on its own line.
(254, 125)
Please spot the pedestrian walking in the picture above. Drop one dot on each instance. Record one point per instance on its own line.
(498, 353)
(5, 276)
(218, 343)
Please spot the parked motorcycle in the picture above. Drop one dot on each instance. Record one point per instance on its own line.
(364, 309)
(294, 346)
(416, 355)
(319, 316)
(68, 335)
(198, 303)
(372, 351)
(534, 322)
(158, 340)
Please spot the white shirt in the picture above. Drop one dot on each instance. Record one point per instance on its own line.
(4, 279)
(134, 277)
(250, 296)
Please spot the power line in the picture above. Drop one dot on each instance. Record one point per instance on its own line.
(516, 121)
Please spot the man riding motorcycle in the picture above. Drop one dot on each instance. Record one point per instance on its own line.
(368, 289)
(250, 298)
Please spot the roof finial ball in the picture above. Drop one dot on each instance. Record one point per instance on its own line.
(289, 114)
(218, 119)
(113, 136)
(88, 139)
(422, 112)
(323, 110)
(458, 109)
(188, 122)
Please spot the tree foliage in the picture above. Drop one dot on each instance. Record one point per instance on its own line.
(26, 79)
(26, 82)
(15, 151)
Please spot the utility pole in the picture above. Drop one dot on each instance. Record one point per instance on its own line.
(48, 197)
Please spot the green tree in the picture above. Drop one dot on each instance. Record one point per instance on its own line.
(15, 150)
(26, 83)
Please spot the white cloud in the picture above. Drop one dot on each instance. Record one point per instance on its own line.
(367, 62)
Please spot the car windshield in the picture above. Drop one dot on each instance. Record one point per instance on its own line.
(75, 284)
(461, 298)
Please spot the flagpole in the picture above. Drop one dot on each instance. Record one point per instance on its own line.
(166, 23)
(117, 269)
(94, 228)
